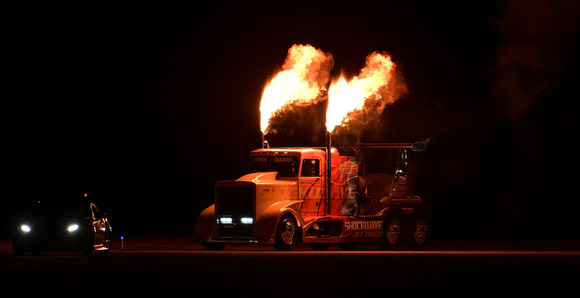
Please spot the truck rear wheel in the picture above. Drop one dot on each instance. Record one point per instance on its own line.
(392, 233)
(286, 233)
(416, 233)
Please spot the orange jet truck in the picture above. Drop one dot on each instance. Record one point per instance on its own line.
(294, 195)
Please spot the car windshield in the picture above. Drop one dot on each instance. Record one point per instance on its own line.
(286, 166)
(58, 209)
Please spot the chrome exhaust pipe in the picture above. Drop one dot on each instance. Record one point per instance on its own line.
(328, 171)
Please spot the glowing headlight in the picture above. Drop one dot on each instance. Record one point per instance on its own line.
(226, 220)
(247, 220)
(25, 228)
(73, 228)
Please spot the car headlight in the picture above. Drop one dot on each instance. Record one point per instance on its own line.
(25, 228)
(73, 228)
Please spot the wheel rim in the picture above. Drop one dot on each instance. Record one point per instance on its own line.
(288, 230)
(393, 231)
(420, 232)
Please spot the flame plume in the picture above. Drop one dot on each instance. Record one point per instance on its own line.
(370, 92)
(305, 74)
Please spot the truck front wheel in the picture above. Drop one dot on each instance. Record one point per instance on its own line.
(286, 233)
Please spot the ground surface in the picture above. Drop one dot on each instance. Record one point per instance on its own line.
(176, 266)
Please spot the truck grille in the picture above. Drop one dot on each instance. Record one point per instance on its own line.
(234, 201)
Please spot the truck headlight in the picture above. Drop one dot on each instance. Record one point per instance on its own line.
(25, 228)
(247, 220)
(226, 220)
(73, 228)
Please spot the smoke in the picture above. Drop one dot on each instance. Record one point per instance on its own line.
(535, 38)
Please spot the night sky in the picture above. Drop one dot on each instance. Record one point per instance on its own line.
(144, 107)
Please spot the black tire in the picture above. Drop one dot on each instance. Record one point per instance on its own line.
(215, 246)
(89, 246)
(347, 245)
(392, 233)
(286, 233)
(320, 246)
(88, 249)
(416, 233)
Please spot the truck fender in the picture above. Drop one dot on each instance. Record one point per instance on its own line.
(267, 222)
(205, 225)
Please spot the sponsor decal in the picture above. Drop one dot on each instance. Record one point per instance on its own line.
(367, 234)
(363, 225)
(284, 159)
(364, 228)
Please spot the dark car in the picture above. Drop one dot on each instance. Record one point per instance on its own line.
(74, 225)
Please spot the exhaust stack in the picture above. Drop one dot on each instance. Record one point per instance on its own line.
(328, 171)
(265, 144)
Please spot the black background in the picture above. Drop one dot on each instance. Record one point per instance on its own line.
(145, 106)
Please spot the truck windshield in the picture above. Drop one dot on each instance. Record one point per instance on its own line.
(286, 166)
